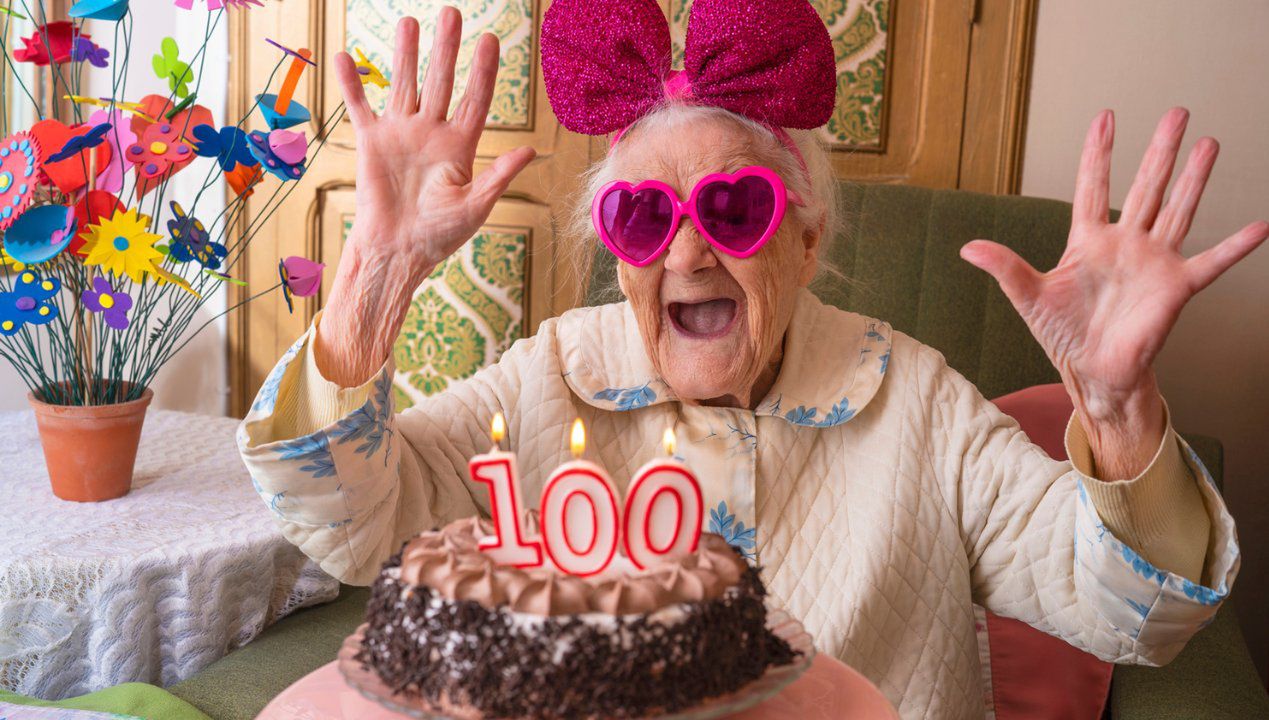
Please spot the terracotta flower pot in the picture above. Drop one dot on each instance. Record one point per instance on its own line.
(90, 450)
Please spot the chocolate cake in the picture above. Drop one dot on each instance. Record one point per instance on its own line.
(447, 625)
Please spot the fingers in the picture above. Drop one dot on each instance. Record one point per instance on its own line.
(493, 182)
(1173, 223)
(353, 91)
(474, 107)
(1210, 264)
(404, 97)
(1019, 281)
(1146, 194)
(438, 84)
(1092, 182)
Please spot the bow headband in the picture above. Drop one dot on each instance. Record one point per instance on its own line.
(606, 63)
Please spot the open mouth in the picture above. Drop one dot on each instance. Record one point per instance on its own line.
(705, 319)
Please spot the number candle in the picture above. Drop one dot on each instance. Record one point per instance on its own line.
(497, 469)
(579, 513)
(664, 510)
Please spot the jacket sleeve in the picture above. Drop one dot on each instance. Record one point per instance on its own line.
(1042, 550)
(348, 479)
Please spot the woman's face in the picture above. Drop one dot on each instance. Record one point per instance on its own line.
(712, 323)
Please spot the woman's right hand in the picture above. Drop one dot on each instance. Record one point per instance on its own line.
(417, 200)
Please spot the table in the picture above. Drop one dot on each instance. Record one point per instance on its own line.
(150, 587)
(828, 690)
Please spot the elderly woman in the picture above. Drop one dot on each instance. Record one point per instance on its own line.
(881, 493)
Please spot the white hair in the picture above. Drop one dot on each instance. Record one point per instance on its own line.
(819, 190)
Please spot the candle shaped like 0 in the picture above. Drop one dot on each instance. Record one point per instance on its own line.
(579, 513)
(497, 469)
(663, 512)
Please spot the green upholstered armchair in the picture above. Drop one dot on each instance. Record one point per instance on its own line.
(900, 253)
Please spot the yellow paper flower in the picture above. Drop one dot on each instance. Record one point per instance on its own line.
(123, 245)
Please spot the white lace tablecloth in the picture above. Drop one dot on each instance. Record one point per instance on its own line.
(151, 587)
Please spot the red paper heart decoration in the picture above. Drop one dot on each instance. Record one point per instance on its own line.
(71, 174)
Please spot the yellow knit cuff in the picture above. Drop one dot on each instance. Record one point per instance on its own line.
(311, 402)
(1160, 513)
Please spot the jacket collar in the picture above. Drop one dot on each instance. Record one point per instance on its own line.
(834, 363)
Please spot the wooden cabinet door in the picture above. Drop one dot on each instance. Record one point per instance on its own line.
(930, 92)
(503, 283)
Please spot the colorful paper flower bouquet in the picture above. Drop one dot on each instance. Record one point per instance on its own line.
(101, 272)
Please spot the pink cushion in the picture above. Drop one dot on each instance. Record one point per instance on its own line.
(1034, 675)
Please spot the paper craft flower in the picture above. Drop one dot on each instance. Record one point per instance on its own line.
(59, 36)
(112, 10)
(19, 163)
(41, 234)
(113, 306)
(370, 75)
(90, 210)
(168, 66)
(161, 150)
(281, 152)
(228, 145)
(300, 277)
(191, 241)
(119, 138)
(84, 49)
(124, 246)
(80, 143)
(243, 178)
(29, 303)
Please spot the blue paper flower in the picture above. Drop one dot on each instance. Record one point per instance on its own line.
(228, 145)
(80, 143)
(30, 302)
(84, 49)
(191, 241)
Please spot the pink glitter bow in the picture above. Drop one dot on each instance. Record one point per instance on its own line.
(607, 62)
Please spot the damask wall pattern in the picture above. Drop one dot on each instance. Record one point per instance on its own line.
(371, 26)
(464, 316)
(859, 31)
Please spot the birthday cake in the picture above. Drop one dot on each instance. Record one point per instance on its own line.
(448, 625)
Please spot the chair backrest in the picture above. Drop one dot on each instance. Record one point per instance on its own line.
(899, 252)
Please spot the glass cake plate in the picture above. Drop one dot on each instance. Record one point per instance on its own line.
(367, 682)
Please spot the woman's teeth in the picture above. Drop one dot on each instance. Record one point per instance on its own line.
(705, 319)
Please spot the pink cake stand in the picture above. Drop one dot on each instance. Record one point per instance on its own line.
(828, 690)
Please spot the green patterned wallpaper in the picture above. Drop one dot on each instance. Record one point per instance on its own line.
(858, 29)
(371, 26)
(464, 316)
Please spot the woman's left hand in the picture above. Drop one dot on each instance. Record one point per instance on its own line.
(1103, 314)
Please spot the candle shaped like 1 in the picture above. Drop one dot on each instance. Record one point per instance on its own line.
(579, 513)
(497, 469)
(664, 510)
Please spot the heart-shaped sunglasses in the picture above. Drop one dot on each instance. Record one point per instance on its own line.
(736, 212)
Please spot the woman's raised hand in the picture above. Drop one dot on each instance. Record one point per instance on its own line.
(1103, 313)
(416, 195)
(417, 199)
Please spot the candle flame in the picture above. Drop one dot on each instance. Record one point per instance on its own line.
(577, 438)
(669, 441)
(498, 428)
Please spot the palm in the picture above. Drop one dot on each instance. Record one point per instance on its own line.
(415, 179)
(1103, 314)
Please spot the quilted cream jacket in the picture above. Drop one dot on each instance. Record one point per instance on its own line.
(880, 492)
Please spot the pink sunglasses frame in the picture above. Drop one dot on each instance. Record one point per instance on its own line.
(783, 197)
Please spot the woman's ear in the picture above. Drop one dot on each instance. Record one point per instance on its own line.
(810, 254)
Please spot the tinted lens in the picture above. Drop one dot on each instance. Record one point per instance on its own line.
(637, 223)
(736, 214)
